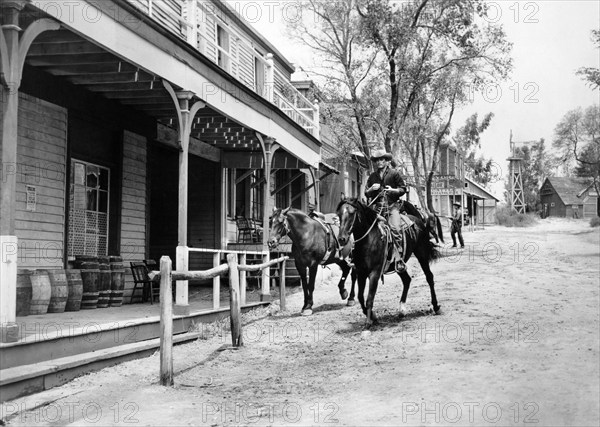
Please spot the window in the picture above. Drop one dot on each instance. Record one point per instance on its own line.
(259, 76)
(223, 51)
(257, 194)
(88, 213)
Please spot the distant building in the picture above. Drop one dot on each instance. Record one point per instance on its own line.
(569, 197)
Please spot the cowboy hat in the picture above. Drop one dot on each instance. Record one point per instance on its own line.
(456, 204)
(378, 154)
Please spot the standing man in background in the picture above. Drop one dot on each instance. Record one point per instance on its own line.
(456, 227)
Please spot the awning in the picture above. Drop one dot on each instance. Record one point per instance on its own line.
(327, 170)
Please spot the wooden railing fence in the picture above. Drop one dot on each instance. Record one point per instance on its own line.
(167, 275)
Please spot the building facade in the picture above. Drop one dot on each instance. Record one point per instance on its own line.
(131, 127)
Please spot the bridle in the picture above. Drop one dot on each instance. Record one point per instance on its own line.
(351, 228)
(286, 226)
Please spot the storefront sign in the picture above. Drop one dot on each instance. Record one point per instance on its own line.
(31, 197)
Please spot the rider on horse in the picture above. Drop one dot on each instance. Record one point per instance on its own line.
(384, 188)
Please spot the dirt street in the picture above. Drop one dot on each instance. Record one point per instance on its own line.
(517, 343)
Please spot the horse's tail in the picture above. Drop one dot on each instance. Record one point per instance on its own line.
(432, 252)
(439, 228)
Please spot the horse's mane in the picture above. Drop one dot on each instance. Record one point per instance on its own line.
(364, 211)
(411, 209)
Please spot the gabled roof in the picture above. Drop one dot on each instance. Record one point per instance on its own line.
(568, 188)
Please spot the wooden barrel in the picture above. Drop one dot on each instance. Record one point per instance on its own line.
(75, 286)
(23, 292)
(80, 259)
(117, 281)
(59, 291)
(40, 292)
(103, 282)
(89, 280)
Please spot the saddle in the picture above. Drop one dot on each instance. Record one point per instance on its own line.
(393, 253)
(328, 222)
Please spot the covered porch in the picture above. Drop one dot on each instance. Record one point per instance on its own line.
(116, 95)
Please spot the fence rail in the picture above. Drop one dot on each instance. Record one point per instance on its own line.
(166, 275)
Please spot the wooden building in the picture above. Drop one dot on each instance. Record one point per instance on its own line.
(569, 197)
(132, 127)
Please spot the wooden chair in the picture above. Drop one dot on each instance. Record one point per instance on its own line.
(140, 270)
(246, 233)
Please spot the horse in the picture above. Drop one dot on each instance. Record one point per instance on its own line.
(431, 220)
(313, 243)
(372, 244)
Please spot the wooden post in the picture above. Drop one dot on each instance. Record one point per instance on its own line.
(217, 282)
(316, 119)
(234, 301)
(14, 45)
(265, 293)
(166, 322)
(182, 306)
(270, 78)
(282, 286)
(243, 280)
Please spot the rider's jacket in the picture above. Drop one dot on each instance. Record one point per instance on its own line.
(392, 178)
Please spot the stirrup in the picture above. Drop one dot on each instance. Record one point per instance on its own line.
(400, 266)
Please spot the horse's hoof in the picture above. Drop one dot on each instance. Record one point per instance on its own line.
(306, 312)
(344, 294)
(350, 303)
(438, 310)
(403, 311)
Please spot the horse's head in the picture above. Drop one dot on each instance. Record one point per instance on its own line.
(346, 212)
(278, 227)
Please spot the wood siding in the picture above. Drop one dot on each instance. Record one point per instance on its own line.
(133, 205)
(41, 159)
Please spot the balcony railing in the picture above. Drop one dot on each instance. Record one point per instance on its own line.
(198, 23)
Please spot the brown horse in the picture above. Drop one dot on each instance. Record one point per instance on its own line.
(372, 245)
(313, 243)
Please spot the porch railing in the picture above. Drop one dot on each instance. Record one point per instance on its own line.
(182, 254)
(197, 23)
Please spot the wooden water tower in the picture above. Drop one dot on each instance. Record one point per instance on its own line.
(517, 200)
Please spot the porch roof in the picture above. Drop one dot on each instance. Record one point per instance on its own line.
(126, 61)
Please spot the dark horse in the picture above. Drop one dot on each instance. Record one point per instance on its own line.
(371, 246)
(313, 244)
(431, 220)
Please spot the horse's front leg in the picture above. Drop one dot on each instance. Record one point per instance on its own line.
(307, 297)
(351, 302)
(341, 285)
(373, 283)
(406, 279)
(362, 281)
(308, 294)
(429, 276)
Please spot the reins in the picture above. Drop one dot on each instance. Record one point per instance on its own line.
(368, 231)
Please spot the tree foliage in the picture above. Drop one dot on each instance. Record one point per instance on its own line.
(592, 74)
(399, 70)
(468, 140)
(577, 141)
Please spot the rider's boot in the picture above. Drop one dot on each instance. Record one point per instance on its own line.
(400, 265)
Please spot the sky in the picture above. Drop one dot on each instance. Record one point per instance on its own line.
(551, 40)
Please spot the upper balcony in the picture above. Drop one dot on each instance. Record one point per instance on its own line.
(207, 26)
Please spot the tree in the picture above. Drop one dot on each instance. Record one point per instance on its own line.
(577, 139)
(591, 74)
(404, 69)
(468, 141)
